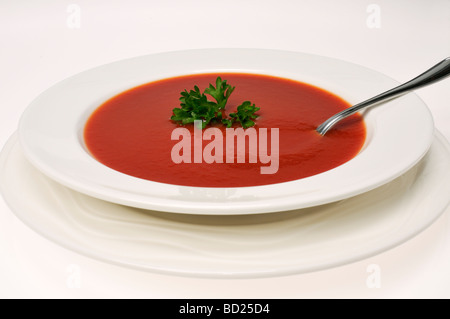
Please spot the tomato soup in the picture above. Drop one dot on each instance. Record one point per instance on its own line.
(132, 133)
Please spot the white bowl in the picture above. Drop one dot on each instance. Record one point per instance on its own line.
(399, 132)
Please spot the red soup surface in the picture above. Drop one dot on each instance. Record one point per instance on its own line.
(132, 133)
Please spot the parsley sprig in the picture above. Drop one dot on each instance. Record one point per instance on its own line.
(194, 105)
(245, 115)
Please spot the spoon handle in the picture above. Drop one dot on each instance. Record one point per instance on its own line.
(432, 75)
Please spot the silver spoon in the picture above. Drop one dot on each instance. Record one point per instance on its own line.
(436, 73)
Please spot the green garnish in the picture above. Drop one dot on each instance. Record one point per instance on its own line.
(245, 115)
(221, 92)
(196, 106)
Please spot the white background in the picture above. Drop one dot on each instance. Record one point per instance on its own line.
(42, 43)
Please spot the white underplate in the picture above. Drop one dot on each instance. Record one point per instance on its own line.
(242, 246)
(50, 131)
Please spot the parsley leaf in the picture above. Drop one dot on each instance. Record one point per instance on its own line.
(245, 115)
(220, 93)
(194, 105)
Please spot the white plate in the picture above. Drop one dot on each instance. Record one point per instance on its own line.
(242, 246)
(50, 131)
